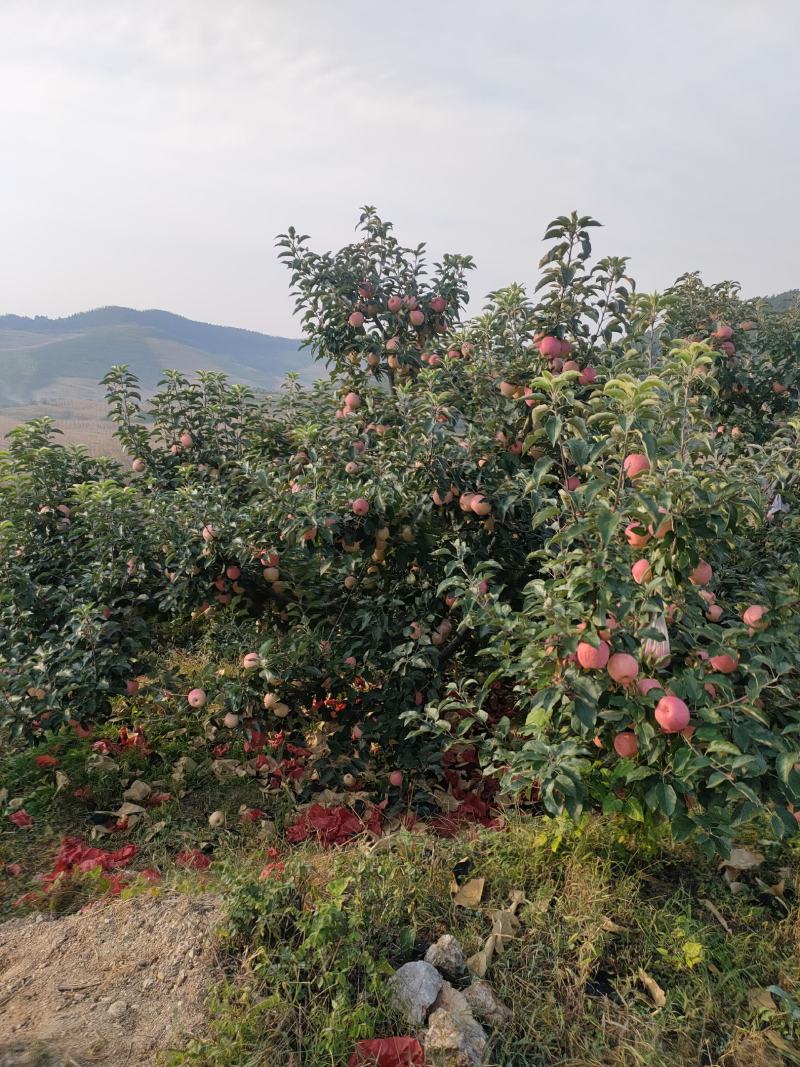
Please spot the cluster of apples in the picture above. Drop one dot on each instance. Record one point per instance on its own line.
(406, 307)
(557, 353)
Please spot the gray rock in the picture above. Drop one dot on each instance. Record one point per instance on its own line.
(447, 956)
(414, 988)
(455, 1039)
(486, 1005)
(117, 1010)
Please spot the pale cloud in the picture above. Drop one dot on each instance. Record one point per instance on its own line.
(151, 151)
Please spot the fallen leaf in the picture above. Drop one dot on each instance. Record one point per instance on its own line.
(717, 915)
(776, 890)
(779, 1042)
(613, 928)
(505, 924)
(742, 859)
(479, 963)
(470, 893)
(155, 829)
(137, 792)
(183, 767)
(62, 781)
(227, 768)
(128, 809)
(760, 999)
(657, 994)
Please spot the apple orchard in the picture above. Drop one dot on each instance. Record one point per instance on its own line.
(559, 540)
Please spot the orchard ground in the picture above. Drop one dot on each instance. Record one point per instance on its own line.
(304, 950)
(513, 598)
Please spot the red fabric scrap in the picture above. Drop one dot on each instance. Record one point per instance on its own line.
(471, 811)
(332, 826)
(20, 818)
(193, 859)
(388, 1052)
(46, 761)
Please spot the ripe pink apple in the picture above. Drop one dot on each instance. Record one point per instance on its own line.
(645, 685)
(702, 574)
(569, 365)
(623, 668)
(483, 588)
(566, 348)
(271, 574)
(550, 347)
(360, 506)
(251, 661)
(753, 617)
(672, 715)
(438, 304)
(591, 658)
(724, 663)
(209, 533)
(465, 501)
(635, 464)
(270, 700)
(197, 698)
(233, 572)
(587, 376)
(728, 347)
(394, 303)
(131, 687)
(350, 581)
(557, 365)
(666, 525)
(625, 744)
(634, 539)
(351, 467)
(416, 631)
(351, 661)
(572, 483)
(479, 505)
(437, 638)
(139, 465)
(280, 710)
(515, 448)
(186, 439)
(641, 571)
(723, 333)
(396, 779)
(353, 401)
(220, 583)
(445, 627)
(507, 389)
(711, 689)
(411, 302)
(778, 387)
(714, 613)
(416, 317)
(356, 319)
(231, 721)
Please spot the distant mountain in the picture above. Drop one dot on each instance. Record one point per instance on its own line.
(60, 360)
(783, 301)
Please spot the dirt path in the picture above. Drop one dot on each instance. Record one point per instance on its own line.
(111, 986)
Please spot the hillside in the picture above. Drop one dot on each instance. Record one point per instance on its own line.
(60, 361)
(783, 301)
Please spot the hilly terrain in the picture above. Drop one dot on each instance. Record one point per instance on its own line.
(53, 366)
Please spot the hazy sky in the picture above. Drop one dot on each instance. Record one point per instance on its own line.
(150, 150)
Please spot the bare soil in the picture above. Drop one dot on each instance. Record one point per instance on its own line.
(113, 985)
